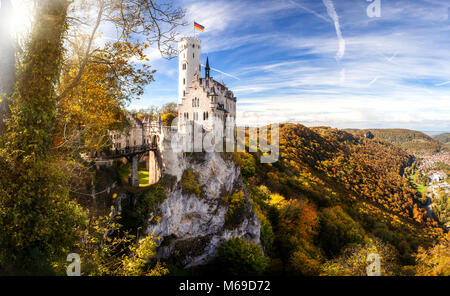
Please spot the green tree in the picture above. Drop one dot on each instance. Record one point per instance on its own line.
(338, 229)
(238, 257)
(38, 221)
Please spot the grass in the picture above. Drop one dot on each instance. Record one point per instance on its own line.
(421, 188)
(143, 178)
(190, 182)
(124, 173)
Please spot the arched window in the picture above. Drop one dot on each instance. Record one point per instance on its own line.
(184, 66)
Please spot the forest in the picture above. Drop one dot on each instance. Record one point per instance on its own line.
(333, 197)
(414, 142)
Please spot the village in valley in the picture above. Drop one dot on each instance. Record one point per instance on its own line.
(430, 176)
(438, 190)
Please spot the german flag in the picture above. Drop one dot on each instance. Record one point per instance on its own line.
(198, 27)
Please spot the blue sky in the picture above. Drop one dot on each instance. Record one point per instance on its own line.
(321, 62)
(324, 62)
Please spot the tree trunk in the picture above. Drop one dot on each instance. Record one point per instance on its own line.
(34, 107)
(7, 61)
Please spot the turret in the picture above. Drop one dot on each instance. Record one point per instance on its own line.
(189, 52)
(207, 69)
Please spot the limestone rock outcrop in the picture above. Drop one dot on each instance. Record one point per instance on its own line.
(192, 226)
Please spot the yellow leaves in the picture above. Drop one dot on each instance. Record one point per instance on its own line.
(277, 200)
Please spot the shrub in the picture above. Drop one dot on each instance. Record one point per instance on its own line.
(236, 209)
(238, 257)
(338, 230)
(190, 183)
(248, 165)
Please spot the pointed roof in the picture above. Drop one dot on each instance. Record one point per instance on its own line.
(207, 64)
(207, 68)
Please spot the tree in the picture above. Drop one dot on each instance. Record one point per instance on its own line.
(96, 103)
(7, 61)
(168, 113)
(238, 257)
(435, 261)
(353, 260)
(39, 222)
(338, 229)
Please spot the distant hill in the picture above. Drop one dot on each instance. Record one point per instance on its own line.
(411, 141)
(444, 139)
(332, 190)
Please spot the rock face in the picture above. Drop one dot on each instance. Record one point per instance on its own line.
(193, 226)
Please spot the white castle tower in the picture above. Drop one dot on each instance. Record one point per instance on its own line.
(189, 53)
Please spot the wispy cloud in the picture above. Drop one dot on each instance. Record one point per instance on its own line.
(443, 83)
(295, 3)
(334, 16)
(390, 72)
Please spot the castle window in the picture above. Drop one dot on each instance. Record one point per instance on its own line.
(184, 81)
(184, 66)
(193, 55)
(200, 68)
(184, 93)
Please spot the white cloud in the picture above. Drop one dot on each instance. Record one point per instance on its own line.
(334, 16)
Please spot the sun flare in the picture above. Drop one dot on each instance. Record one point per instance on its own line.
(19, 19)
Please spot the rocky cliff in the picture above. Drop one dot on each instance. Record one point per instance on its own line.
(205, 206)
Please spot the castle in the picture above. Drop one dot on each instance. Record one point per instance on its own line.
(202, 101)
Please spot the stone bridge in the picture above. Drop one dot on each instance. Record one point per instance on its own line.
(141, 140)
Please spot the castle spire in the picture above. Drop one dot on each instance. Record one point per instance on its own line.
(207, 69)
